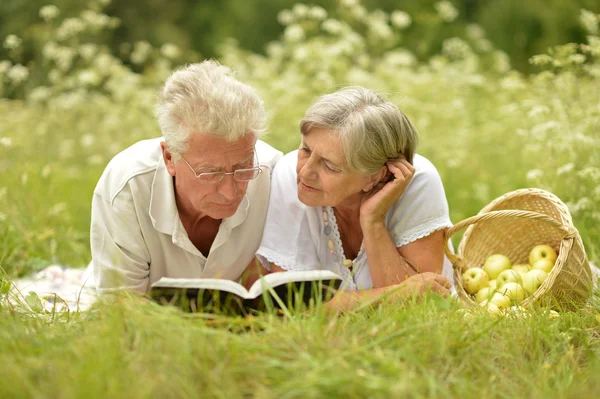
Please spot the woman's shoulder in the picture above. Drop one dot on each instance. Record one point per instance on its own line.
(424, 166)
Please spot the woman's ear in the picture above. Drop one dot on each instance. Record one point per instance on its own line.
(378, 178)
(168, 158)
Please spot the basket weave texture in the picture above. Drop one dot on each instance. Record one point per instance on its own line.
(512, 225)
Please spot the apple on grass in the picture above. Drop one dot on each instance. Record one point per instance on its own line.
(496, 264)
(542, 252)
(543, 264)
(508, 276)
(474, 279)
(514, 291)
(533, 279)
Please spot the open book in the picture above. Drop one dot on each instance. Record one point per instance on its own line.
(289, 289)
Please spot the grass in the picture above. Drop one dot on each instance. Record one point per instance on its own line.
(488, 131)
(428, 349)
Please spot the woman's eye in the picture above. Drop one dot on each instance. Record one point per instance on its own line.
(330, 168)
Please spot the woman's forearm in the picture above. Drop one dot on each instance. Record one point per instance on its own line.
(386, 265)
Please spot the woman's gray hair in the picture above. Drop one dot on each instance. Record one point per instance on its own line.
(372, 130)
(206, 98)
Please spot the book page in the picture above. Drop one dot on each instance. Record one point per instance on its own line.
(203, 284)
(277, 279)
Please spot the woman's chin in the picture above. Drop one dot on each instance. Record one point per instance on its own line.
(310, 199)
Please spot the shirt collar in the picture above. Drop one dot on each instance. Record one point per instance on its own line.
(163, 208)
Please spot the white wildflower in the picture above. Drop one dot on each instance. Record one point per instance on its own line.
(170, 51)
(538, 110)
(87, 140)
(40, 94)
(591, 173)
(317, 13)
(577, 59)
(475, 32)
(104, 62)
(141, 52)
(501, 62)
(285, 17)
(18, 74)
(534, 174)
(300, 10)
(48, 13)
(566, 168)
(24, 179)
(69, 28)
(455, 48)
(64, 58)
(95, 19)
(541, 60)
(95, 160)
(348, 3)
(400, 19)
(54, 76)
(358, 12)
(484, 45)
(401, 58)
(12, 42)
(381, 30)
(57, 209)
(6, 141)
(332, 26)
(446, 10)
(88, 51)
(513, 82)
(294, 33)
(4, 66)
(589, 21)
(46, 171)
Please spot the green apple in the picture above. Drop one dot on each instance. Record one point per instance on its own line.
(543, 264)
(496, 264)
(492, 308)
(474, 279)
(493, 284)
(513, 290)
(483, 294)
(508, 276)
(521, 268)
(533, 279)
(500, 300)
(542, 252)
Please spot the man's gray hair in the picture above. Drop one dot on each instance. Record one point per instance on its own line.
(372, 130)
(206, 98)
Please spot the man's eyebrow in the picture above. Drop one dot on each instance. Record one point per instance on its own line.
(211, 167)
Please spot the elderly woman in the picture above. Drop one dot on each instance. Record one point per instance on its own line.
(356, 199)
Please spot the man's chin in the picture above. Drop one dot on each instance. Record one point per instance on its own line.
(223, 211)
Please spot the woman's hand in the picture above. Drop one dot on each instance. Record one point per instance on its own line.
(378, 201)
(422, 283)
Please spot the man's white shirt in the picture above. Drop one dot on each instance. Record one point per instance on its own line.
(137, 236)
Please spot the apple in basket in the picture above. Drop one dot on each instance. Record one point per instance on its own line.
(521, 268)
(484, 294)
(514, 291)
(474, 279)
(496, 264)
(508, 276)
(542, 252)
(500, 300)
(543, 264)
(533, 279)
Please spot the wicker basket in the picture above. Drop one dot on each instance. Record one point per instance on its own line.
(512, 225)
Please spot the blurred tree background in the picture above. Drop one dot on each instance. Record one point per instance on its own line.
(198, 27)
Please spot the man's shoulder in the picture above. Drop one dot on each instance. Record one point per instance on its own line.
(139, 159)
(268, 156)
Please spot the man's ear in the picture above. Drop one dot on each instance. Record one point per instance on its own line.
(380, 177)
(168, 158)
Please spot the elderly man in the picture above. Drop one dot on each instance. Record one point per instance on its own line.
(193, 203)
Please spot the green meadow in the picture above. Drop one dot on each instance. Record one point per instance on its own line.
(487, 127)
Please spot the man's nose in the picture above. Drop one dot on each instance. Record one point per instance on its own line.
(228, 187)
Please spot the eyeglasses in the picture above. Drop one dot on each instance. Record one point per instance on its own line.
(239, 175)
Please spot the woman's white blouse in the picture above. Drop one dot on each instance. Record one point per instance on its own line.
(293, 238)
